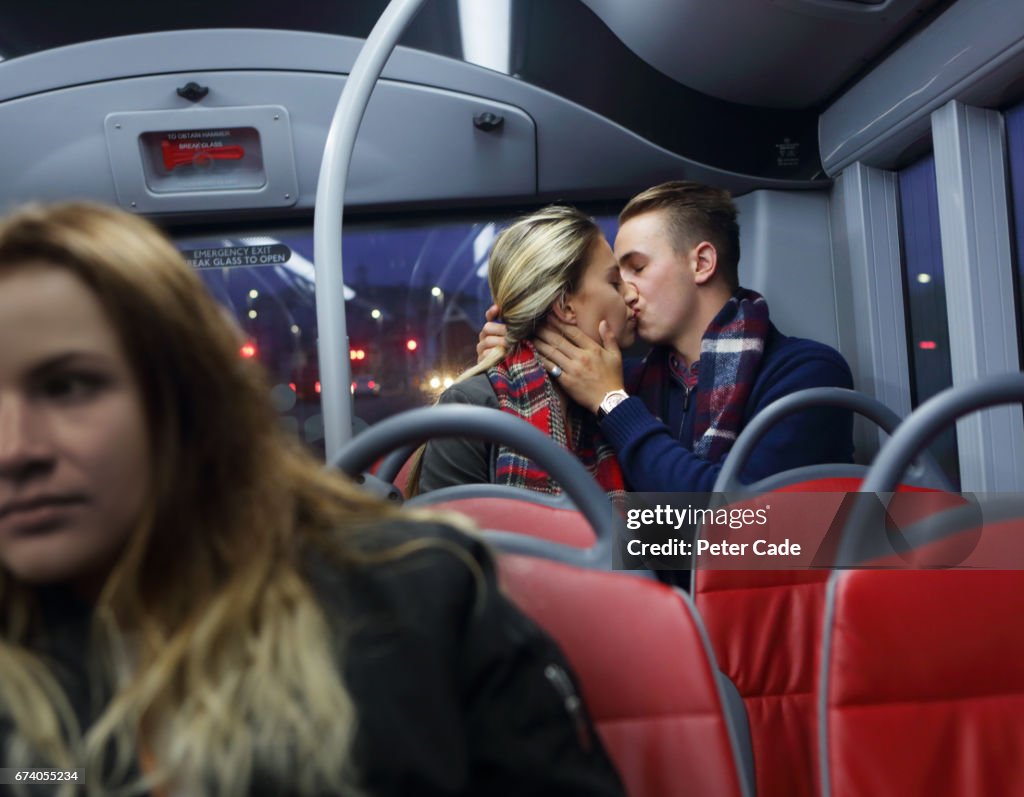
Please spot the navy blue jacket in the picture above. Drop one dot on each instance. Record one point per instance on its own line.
(653, 443)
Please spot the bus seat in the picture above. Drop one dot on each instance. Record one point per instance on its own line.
(765, 625)
(401, 480)
(765, 628)
(394, 465)
(580, 523)
(921, 667)
(647, 674)
(923, 686)
(490, 506)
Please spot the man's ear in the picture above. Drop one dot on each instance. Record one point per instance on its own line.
(706, 262)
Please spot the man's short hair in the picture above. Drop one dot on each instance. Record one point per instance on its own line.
(696, 213)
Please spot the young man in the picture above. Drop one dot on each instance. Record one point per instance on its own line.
(717, 360)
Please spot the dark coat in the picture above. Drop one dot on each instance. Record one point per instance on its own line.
(449, 461)
(457, 692)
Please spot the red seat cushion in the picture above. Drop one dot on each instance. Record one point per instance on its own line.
(765, 628)
(644, 671)
(565, 526)
(402, 477)
(925, 691)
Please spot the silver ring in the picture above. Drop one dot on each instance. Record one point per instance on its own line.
(556, 372)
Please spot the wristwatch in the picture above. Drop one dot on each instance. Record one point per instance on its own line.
(611, 400)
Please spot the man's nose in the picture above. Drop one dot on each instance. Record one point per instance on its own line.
(23, 441)
(629, 292)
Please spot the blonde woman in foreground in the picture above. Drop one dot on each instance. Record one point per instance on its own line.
(190, 605)
(555, 262)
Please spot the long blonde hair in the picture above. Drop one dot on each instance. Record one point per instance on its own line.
(217, 653)
(537, 262)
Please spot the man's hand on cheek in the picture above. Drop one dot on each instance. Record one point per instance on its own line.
(586, 370)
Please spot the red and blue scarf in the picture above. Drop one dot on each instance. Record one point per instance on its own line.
(730, 356)
(524, 389)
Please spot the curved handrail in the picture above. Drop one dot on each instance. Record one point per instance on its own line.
(392, 464)
(916, 432)
(335, 371)
(728, 478)
(928, 420)
(418, 426)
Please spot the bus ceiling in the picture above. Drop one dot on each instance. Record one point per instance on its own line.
(662, 87)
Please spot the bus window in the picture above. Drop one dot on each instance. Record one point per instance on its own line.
(1015, 151)
(415, 296)
(925, 289)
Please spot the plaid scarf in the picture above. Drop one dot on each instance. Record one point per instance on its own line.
(730, 356)
(524, 389)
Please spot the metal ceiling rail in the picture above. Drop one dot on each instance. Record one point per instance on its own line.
(335, 369)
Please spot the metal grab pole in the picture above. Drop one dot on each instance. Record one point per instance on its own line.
(335, 369)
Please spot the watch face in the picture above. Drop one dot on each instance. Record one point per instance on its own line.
(612, 401)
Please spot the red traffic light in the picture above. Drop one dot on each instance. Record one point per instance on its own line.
(411, 344)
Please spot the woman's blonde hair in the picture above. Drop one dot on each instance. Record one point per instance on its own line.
(218, 656)
(536, 263)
